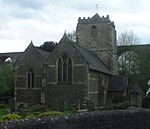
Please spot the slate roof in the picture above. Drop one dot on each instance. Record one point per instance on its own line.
(95, 63)
(93, 60)
(45, 54)
(118, 83)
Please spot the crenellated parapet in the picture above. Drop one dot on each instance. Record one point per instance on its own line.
(95, 19)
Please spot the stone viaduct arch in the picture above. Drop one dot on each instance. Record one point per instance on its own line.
(143, 52)
(12, 55)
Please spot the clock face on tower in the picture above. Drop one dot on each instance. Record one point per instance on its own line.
(93, 44)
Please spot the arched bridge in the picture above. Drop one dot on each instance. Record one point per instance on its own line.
(143, 53)
(12, 55)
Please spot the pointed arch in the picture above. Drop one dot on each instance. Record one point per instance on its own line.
(94, 31)
(30, 78)
(59, 70)
(64, 72)
(69, 70)
(64, 69)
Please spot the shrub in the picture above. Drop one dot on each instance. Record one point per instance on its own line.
(68, 112)
(30, 116)
(9, 117)
(3, 105)
(124, 105)
(34, 108)
(50, 113)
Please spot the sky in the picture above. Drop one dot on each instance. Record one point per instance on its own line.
(46, 20)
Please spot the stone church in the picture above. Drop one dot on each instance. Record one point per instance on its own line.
(74, 71)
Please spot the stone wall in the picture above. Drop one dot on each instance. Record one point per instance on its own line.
(59, 93)
(98, 86)
(104, 41)
(129, 119)
(93, 89)
(30, 59)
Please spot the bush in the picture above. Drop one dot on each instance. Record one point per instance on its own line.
(124, 105)
(28, 108)
(9, 117)
(30, 116)
(6, 82)
(68, 112)
(50, 113)
(3, 106)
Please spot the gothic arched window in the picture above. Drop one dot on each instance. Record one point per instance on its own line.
(94, 31)
(59, 70)
(64, 72)
(69, 70)
(65, 69)
(30, 78)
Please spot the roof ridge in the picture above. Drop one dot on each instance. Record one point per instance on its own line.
(94, 61)
(44, 54)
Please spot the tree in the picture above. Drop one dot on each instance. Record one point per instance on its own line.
(48, 46)
(128, 61)
(128, 38)
(6, 80)
(72, 36)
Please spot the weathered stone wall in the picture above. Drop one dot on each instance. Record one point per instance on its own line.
(130, 119)
(65, 93)
(98, 87)
(61, 95)
(32, 96)
(93, 89)
(103, 43)
(30, 59)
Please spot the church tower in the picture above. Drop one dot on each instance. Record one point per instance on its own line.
(98, 35)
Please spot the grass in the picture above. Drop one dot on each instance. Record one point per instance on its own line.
(36, 111)
(30, 112)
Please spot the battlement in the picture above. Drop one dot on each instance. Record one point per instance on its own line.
(96, 19)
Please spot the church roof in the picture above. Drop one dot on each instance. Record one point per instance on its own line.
(95, 63)
(45, 54)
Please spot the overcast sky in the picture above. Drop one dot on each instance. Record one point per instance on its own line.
(46, 20)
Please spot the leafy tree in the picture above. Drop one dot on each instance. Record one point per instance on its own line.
(128, 38)
(72, 36)
(6, 80)
(48, 46)
(128, 61)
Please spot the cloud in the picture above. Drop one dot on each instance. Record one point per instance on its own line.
(34, 4)
(46, 20)
(10, 46)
